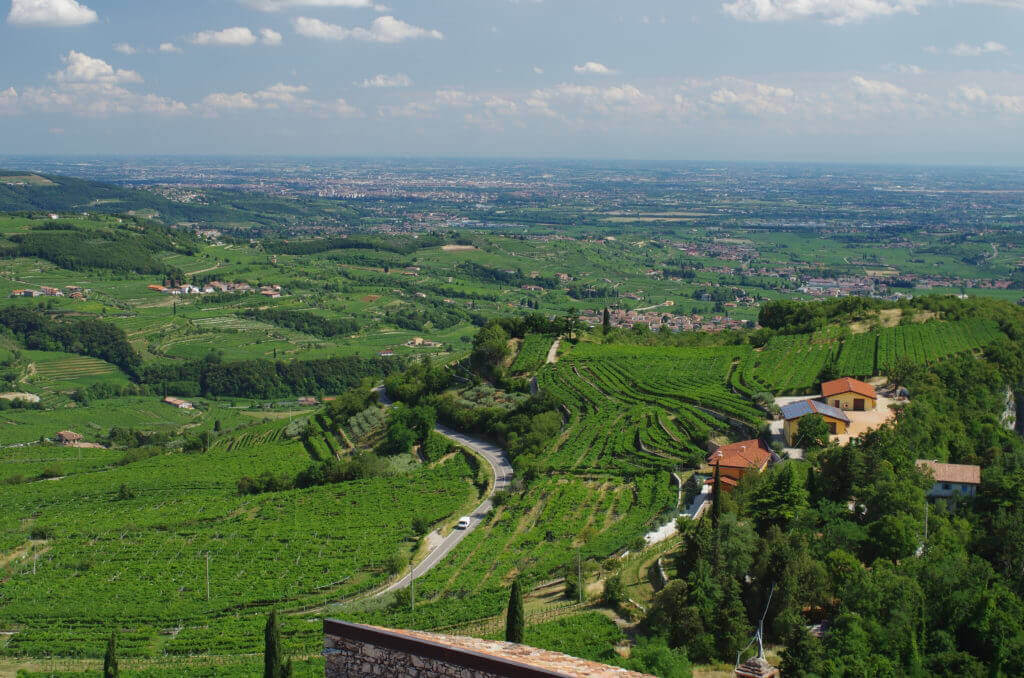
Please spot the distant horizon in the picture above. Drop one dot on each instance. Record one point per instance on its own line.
(568, 160)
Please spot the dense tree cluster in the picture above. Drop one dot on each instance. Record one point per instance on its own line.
(396, 244)
(842, 541)
(438, 315)
(304, 321)
(514, 278)
(263, 379)
(121, 250)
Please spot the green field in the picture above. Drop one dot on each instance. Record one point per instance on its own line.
(82, 557)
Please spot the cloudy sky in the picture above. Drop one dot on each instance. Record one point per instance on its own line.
(824, 80)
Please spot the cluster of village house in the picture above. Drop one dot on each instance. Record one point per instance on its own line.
(71, 291)
(839, 397)
(269, 291)
(661, 320)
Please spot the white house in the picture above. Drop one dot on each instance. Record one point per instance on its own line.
(951, 479)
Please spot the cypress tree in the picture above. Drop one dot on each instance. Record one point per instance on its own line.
(516, 620)
(273, 666)
(110, 658)
(606, 321)
(716, 498)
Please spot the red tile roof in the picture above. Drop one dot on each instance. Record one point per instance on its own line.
(744, 454)
(966, 474)
(847, 385)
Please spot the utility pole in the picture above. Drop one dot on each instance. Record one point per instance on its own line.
(412, 589)
(926, 521)
(580, 575)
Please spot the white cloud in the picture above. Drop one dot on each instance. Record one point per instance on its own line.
(84, 68)
(278, 5)
(225, 100)
(962, 49)
(8, 101)
(169, 47)
(50, 13)
(91, 87)
(236, 36)
(753, 98)
(594, 68)
(124, 48)
(905, 69)
(386, 29)
(276, 97)
(875, 88)
(341, 107)
(95, 99)
(972, 99)
(382, 80)
(270, 37)
(836, 12)
(282, 94)
(538, 70)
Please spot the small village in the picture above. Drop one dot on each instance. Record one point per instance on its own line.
(70, 291)
(215, 287)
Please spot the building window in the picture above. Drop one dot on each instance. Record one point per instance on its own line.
(945, 486)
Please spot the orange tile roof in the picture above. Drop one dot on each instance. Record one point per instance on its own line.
(966, 474)
(744, 454)
(847, 385)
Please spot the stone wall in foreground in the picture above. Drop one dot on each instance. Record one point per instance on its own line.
(357, 650)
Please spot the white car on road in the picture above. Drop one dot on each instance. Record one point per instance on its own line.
(463, 523)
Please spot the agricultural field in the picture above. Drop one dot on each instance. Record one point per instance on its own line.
(635, 409)
(790, 363)
(794, 363)
(128, 545)
(533, 536)
(532, 353)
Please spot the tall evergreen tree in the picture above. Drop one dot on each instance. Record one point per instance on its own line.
(110, 669)
(716, 498)
(606, 321)
(516, 619)
(273, 661)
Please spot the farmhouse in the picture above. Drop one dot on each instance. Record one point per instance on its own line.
(836, 419)
(308, 400)
(849, 394)
(179, 403)
(951, 479)
(69, 437)
(737, 459)
(51, 291)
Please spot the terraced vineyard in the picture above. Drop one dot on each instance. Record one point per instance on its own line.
(790, 363)
(532, 353)
(635, 409)
(534, 536)
(793, 363)
(50, 373)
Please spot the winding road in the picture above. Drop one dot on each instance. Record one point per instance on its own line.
(502, 469)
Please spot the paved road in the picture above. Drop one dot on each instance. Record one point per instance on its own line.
(502, 470)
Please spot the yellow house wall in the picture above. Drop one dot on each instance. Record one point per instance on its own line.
(791, 426)
(844, 401)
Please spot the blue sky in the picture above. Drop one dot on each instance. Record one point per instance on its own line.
(822, 80)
